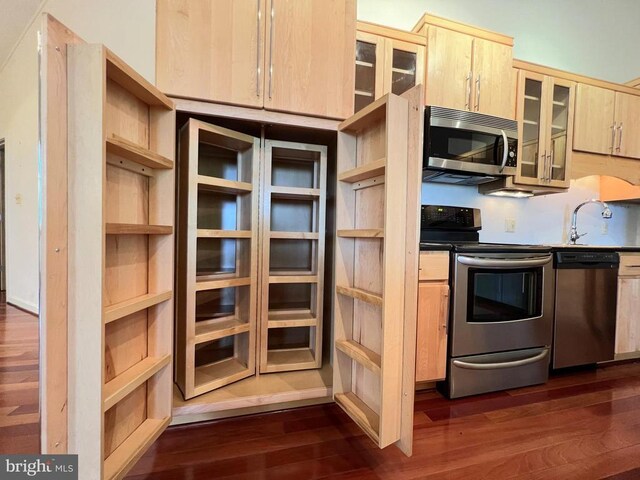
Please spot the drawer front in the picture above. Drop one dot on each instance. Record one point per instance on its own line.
(629, 265)
(434, 266)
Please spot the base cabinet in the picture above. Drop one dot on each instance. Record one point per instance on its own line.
(628, 308)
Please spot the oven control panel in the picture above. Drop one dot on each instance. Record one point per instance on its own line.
(443, 217)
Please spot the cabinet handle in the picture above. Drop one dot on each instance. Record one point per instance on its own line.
(549, 168)
(258, 52)
(478, 94)
(445, 309)
(543, 158)
(620, 137)
(468, 104)
(613, 136)
(273, 14)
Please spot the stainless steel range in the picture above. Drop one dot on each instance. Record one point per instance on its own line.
(501, 322)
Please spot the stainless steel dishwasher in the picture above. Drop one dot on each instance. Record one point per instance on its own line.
(585, 313)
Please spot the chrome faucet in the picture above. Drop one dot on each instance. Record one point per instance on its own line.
(606, 213)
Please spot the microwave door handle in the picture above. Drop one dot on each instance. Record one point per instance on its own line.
(493, 366)
(505, 154)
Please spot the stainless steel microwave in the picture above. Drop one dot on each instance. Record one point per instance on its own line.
(468, 148)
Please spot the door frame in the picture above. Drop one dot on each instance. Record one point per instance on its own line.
(3, 218)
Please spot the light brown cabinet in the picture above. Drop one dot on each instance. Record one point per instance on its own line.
(467, 68)
(286, 55)
(387, 61)
(545, 123)
(628, 318)
(433, 316)
(604, 121)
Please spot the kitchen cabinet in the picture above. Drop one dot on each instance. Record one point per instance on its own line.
(627, 318)
(467, 68)
(604, 120)
(387, 61)
(545, 124)
(433, 317)
(285, 55)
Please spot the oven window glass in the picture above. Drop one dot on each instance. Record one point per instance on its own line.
(465, 145)
(504, 295)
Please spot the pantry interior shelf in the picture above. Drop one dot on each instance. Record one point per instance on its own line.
(370, 170)
(360, 294)
(133, 305)
(135, 153)
(137, 229)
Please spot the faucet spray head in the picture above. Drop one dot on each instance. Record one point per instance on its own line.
(606, 211)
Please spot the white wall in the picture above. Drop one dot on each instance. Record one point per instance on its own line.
(127, 28)
(591, 37)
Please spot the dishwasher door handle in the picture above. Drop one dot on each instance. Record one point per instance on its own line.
(494, 366)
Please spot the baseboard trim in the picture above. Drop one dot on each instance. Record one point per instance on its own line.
(22, 305)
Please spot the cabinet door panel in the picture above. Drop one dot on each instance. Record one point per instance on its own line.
(309, 61)
(448, 78)
(628, 322)
(369, 69)
(531, 114)
(492, 63)
(627, 117)
(404, 66)
(593, 124)
(560, 103)
(211, 50)
(433, 313)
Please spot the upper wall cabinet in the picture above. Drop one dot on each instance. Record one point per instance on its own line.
(467, 68)
(387, 61)
(605, 120)
(286, 55)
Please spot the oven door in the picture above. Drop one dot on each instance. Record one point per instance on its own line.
(502, 302)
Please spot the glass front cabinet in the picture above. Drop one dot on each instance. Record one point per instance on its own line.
(387, 61)
(545, 123)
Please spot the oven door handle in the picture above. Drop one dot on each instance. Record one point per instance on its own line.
(511, 263)
(505, 154)
(494, 366)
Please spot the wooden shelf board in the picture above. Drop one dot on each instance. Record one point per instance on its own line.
(208, 233)
(360, 294)
(222, 185)
(135, 153)
(367, 116)
(133, 305)
(132, 81)
(223, 283)
(137, 229)
(362, 233)
(129, 452)
(294, 235)
(292, 318)
(360, 413)
(370, 170)
(208, 377)
(209, 331)
(361, 354)
(293, 279)
(132, 378)
(290, 358)
(295, 192)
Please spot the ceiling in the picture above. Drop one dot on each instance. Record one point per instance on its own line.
(15, 16)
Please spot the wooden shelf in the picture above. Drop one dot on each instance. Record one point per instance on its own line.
(135, 153)
(361, 354)
(360, 413)
(370, 170)
(531, 97)
(529, 122)
(293, 279)
(133, 82)
(132, 378)
(295, 192)
(130, 451)
(364, 64)
(223, 283)
(204, 233)
(208, 331)
(364, 94)
(294, 235)
(209, 377)
(137, 229)
(291, 318)
(222, 185)
(359, 294)
(133, 305)
(366, 117)
(362, 233)
(289, 359)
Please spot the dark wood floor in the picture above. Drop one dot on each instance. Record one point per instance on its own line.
(19, 418)
(583, 425)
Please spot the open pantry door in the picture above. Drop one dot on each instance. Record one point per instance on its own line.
(378, 198)
(108, 142)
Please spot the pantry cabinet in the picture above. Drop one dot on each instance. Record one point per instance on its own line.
(545, 122)
(627, 318)
(285, 55)
(387, 61)
(605, 120)
(467, 68)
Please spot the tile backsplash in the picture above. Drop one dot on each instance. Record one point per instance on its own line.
(545, 219)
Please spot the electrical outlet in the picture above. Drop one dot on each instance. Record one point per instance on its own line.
(604, 228)
(18, 199)
(510, 225)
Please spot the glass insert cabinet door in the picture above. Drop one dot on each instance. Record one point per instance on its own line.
(532, 152)
(369, 62)
(404, 66)
(559, 129)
